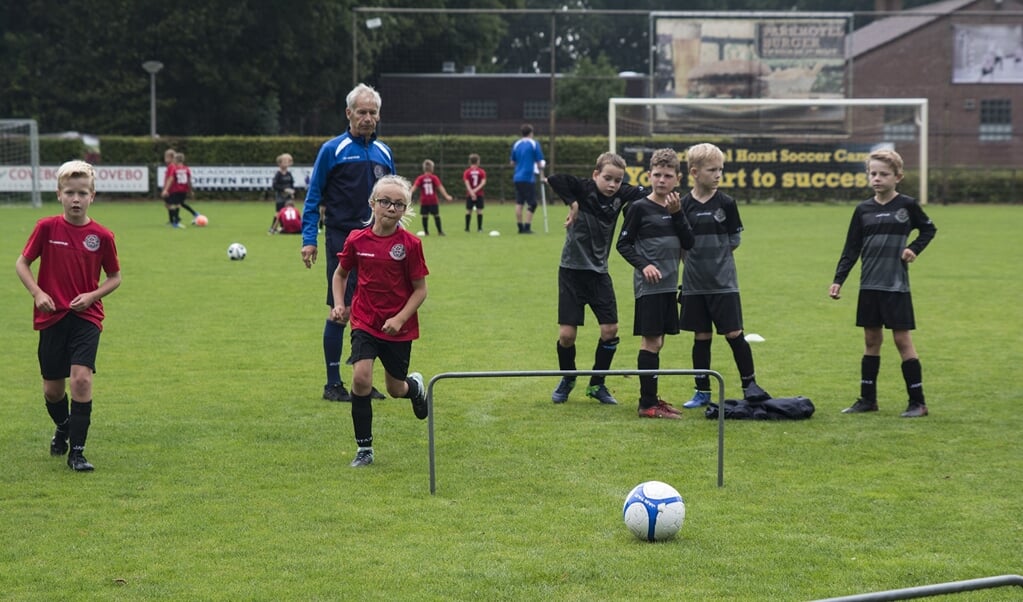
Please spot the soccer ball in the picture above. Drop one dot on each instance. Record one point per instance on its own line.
(495, 233)
(201, 220)
(654, 511)
(236, 251)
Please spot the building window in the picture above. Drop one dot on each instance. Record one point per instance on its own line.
(536, 109)
(899, 123)
(479, 109)
(996, 120)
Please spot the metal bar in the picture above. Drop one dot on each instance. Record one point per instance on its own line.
(937, 589)
(559, 373)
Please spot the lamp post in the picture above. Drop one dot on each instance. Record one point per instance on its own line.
(152, 68)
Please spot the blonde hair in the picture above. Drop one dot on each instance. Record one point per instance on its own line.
(168, 154)
(428, 165)
(699, 154)
(612, 159)
(406, 196)
(179, 157)
(281, 158)
(76, 169)
(889, 157)
(665, 157)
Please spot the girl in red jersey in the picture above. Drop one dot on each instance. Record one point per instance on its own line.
(177, 185)
(391, 285)
(68, 313)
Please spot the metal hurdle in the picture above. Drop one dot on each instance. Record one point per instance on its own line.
(559, 373)
(937, 589)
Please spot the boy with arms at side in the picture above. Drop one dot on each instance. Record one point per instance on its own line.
(475, 178)
(653, 237)
(177, 185)
(429, 185)
(68, 311)
(877, 235)
(391, 287)
(594, 206)
(710, 284)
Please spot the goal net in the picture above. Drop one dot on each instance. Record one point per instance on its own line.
(780, 148)
(19, 162)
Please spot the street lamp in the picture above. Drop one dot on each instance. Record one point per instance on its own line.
(152, 68)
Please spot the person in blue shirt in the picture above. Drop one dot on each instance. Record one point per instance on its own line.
(344, 173)
(527, 159)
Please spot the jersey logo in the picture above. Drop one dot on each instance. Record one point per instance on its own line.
(398, 252)
(719, 216)
(902, 216)
(91, 242)
(380, 171)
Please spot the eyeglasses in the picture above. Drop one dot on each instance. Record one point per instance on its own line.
(385, 203)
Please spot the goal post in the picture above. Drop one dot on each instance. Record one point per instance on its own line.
(864, 123)
(19, 161)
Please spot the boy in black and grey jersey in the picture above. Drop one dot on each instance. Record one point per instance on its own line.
(653, 237)
(878, 234)
(710, 285)
(583, 279)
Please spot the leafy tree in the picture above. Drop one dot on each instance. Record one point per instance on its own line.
(584, 94)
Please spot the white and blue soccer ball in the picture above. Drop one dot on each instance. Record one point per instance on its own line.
(654, 511)
(236, 251)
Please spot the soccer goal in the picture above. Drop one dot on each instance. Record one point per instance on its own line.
(780, 144)
(19, 162)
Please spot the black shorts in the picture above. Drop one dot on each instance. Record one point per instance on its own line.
(700, 313)
(394, 355)
(429, 210)
(579, 288)
(336, 242)
(71, 341)
(176, 198)
(478, 203)
(525, 194)
(876, 309)
(655, 315)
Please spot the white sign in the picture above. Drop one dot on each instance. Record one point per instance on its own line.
(109, 178)
(238, 177)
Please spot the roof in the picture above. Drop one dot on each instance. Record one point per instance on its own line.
(880, 32)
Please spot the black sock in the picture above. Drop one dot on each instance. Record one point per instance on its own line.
(648, 360)
(913, 374)
(79, 420)
(566, 357)
(413, 388)
(602, 358)
(436, 220)
(701, 361)
(743, 359)
(468, 220)
(362, 420)
(426, 224)
(479, 221)
(59, 412)
(870, 365)
(189, 209)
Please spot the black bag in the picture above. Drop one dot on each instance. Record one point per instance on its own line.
(776, 408)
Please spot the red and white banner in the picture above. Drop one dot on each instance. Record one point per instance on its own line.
(109, 178)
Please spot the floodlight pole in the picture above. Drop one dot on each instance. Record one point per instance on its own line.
(152, 68)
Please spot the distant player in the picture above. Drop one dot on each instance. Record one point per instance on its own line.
(429, 186)
(475, 178)
(288, 220)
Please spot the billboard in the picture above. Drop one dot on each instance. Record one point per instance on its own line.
(768, 55)
(987, 54)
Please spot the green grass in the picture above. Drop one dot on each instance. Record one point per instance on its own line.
(222, 475)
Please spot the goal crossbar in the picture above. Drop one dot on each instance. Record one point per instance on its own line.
(919, 105)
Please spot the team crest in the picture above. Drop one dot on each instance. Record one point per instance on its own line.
(91, 242)
(380, 171)
(902, 216)
(719, 215)
(398, 252)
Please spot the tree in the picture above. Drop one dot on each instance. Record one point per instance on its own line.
(584, 94)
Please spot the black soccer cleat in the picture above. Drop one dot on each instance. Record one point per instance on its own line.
(363, 457)
(336, 392)
(754, 394)
(375, 394)
(915, 410)
(861, 405)
(419, 406)
(77, 462)
(58, 445)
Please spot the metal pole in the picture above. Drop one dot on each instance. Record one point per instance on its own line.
(152, 104)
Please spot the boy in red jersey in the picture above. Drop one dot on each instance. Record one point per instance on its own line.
(68, 313)
(391, 285)
(288, 220)
(475, 179)
(429, 185)
(177, 185)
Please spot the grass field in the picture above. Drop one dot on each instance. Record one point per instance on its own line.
(222, 475)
